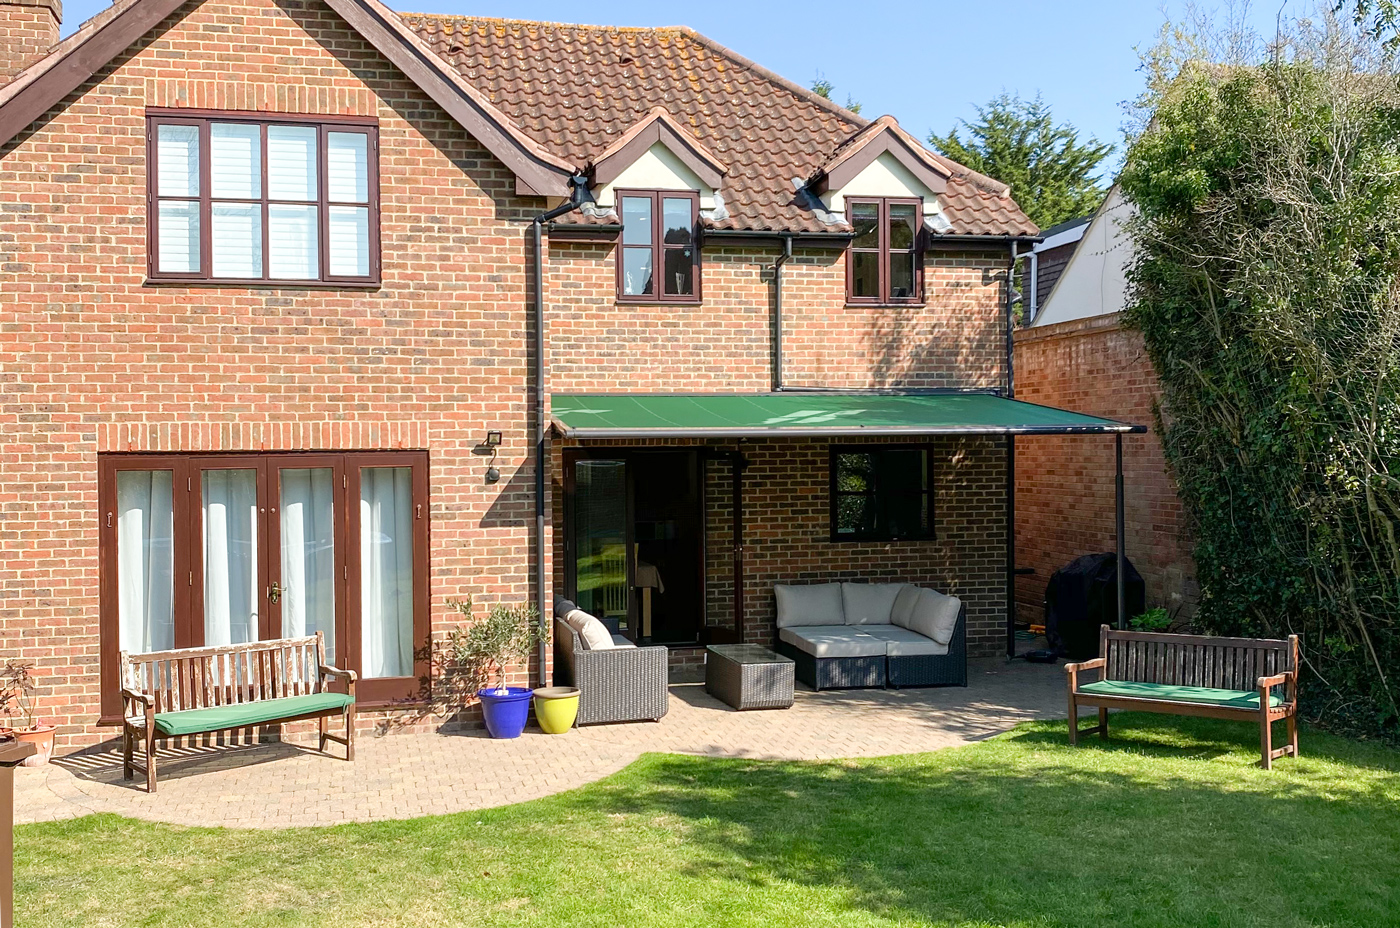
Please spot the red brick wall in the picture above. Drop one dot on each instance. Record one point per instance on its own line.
(91, 360)
(957, 340)
(28, 29)
(1064, 485)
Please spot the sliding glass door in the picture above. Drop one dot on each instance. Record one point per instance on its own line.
(205, 550)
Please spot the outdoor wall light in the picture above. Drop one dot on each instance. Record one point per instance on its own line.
(489, 446)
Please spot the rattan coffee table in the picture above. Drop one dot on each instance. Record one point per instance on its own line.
(749, 676)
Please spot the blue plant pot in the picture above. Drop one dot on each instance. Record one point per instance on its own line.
(505, 710)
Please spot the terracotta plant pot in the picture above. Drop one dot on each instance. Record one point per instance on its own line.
(42, 736)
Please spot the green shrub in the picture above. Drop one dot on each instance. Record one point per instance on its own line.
(1153, 620)
(1267, 255)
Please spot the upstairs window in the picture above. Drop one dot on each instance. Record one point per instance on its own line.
(881, 493)
(657, 259)
(882, 265)
(241, 200)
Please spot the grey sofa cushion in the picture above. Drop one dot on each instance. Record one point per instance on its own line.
(869, 603)
(593, 633)
(935, 616)
(903, 642)
(904, 604)
(825, 641)
(810, 604)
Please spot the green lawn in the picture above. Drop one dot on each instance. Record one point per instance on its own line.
(1169, 824)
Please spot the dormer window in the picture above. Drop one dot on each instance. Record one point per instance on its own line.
(657, 259)
(882, 264)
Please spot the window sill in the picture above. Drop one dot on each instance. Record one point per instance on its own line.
(244, 283)
(662, 303)
(910, 304)
(843, 540)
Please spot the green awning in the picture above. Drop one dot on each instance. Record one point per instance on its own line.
(755, 415)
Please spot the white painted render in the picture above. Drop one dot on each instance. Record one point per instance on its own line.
(656, 169)
(883, 177)
(1094, 283)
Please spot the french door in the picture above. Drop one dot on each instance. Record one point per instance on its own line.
(205, 550)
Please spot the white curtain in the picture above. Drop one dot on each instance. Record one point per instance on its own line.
(177, 175)
(145, 560)
(235, 161)
(293, 248)
(177, 252)
(347, 167)
(386, 571)
(231, 595)
(348, 238)
(308, 553)
(291, 163)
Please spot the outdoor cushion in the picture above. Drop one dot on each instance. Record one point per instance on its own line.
(240, 715)
(1237, 699)
(594, 634)
(935, 616)
(904, 603)
(902, 642)
(811, 604)
(868, 603)
(825, 641)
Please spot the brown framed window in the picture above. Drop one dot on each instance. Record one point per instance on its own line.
(658, 257)
(241, 199)
(882, 263)
(881, 493)
(205, 550)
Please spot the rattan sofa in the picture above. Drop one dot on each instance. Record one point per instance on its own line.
(624, 683)
(849, 647)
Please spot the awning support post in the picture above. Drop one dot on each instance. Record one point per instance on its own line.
(737, 463)
(1118, 514)
(1010, 546)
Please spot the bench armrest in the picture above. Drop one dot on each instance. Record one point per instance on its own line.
(1277, 679)
(137, 703)
(1073, 670)
(335, 673)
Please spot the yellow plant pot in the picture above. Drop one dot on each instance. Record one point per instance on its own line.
(556, 707)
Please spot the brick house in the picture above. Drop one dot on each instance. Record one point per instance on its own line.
(300, 295)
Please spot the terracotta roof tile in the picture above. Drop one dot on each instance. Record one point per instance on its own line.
(578, 89)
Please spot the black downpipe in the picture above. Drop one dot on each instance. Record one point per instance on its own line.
(783, 258)
(580, 187)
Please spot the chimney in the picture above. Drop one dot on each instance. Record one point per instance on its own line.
(28, 30)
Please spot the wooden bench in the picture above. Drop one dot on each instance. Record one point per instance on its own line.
(1221, 678)
(195, 691)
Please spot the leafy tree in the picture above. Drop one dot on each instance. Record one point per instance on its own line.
(823, 88)
(1379, 18)
(1051, 172)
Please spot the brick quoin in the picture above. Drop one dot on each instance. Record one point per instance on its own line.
(1064, 486)
(93, 359)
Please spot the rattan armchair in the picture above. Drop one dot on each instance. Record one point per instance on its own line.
(615, 685)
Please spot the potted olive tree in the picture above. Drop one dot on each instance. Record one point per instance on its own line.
(484, 649)
(17, 689)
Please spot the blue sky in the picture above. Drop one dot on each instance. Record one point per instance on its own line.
(1079, 54)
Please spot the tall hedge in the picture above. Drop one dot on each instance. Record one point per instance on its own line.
(1267, 247)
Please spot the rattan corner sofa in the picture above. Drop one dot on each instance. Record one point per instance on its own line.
(859, 635)
(617, 681)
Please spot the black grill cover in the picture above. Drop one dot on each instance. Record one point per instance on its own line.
(1084, 595)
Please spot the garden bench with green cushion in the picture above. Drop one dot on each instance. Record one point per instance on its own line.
(196, 691)
(1249, 679)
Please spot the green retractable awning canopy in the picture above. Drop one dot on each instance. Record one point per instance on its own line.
(758, 415)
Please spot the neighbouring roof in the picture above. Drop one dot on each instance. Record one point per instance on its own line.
(1063, 233)
(582, 87)
(771, 415)
(550, 98)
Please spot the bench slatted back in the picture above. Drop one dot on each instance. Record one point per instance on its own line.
(202, 678)
(1192, 660)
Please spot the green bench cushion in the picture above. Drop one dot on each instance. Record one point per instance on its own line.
(1234, 699)
(244, 714)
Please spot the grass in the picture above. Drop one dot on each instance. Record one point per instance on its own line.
(1166, 825)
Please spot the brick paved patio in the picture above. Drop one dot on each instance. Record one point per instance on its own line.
(410, 775)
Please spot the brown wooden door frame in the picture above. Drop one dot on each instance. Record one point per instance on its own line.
(188, 557)
(275, 464)
(383, 690)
